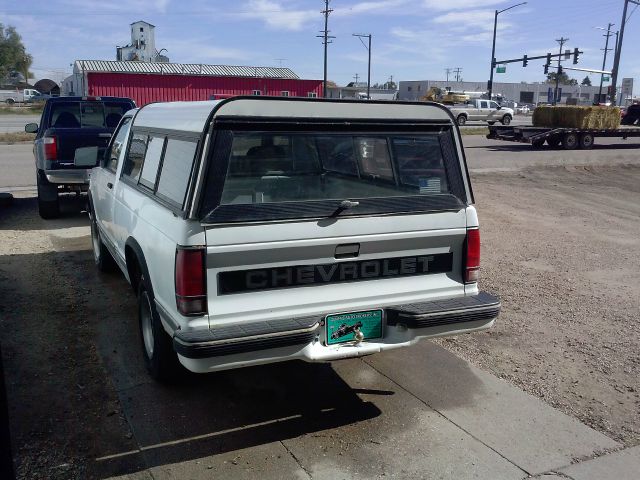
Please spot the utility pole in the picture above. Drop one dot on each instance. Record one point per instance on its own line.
(616, 60)
(457, 71)
(356, 77)
(448, 71)
(562, 41)
(604, 60)
(325, 36)
(368, 35)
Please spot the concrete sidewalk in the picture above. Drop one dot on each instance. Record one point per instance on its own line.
(425, 413)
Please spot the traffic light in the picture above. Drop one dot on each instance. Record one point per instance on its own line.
(576, 52)
(525, 61)
(546, 69)
(548, 59)
(560, 71)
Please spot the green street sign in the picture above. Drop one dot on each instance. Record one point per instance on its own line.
(501, 69)
(606, 78)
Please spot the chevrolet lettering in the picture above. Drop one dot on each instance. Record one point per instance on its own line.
(234, 282)
(256, 230)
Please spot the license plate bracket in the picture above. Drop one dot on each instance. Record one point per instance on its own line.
(371, 328)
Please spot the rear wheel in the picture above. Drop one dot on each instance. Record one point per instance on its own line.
(506, 120)
(10, 101)
(159, 356)
(462, 120)
(570, 141)
(537, 143)
(48, 202)
(586, 141)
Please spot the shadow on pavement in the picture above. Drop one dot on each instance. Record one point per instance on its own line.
(103, 416)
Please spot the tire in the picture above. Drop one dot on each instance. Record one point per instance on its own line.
(48, 201)
(586, 141)
(570, 141)
(506, 120)
(537, 144)
(160, 359)
(101, 255)
(10, 101)
(491, 123)
(553, 142)
(461, 120)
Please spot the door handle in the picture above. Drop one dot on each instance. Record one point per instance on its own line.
(109, 185)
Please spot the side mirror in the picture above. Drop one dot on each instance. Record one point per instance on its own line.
(499, 107)
(31, 128)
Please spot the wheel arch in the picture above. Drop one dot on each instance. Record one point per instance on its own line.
(136, 264)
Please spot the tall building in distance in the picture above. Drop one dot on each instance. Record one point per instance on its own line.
(143, 45)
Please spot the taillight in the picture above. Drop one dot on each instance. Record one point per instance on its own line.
(50, 148)
(191, 281)
(472, 256)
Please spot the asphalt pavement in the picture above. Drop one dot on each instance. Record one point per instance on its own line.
(17, 167)
(15, 123)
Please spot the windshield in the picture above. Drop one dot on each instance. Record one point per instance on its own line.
(281, 173)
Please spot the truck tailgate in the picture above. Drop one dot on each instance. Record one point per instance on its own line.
(259, 273)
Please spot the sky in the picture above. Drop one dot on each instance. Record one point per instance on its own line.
(411, 39)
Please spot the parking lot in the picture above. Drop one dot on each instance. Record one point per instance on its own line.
(552, 391)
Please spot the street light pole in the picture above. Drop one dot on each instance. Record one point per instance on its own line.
(616, 60)
(493, 48)
(493, 55)
(368, 35)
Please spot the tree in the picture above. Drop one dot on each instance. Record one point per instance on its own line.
(564, 78)
(586, 81)
(13, 54)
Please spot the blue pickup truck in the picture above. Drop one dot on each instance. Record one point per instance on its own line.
(71, 130)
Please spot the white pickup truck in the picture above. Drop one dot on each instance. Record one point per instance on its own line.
(479, 110)
(21, 96)
(257, 230)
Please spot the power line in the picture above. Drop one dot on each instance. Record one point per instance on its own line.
(325, 41)
(448, 72)
(561, 41)
(604, 60)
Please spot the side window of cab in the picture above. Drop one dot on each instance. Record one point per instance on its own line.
(117, 145)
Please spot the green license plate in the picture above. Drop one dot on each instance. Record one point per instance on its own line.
(340, 326)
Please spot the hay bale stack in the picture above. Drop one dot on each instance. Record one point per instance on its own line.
(577, 117)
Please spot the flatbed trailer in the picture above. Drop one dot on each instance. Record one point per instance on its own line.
(567, 138)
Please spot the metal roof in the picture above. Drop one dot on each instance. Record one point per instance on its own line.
(111, 66)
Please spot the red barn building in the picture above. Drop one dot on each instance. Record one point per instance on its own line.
(164, 82)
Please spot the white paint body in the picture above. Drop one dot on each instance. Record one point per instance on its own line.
(124, 212)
